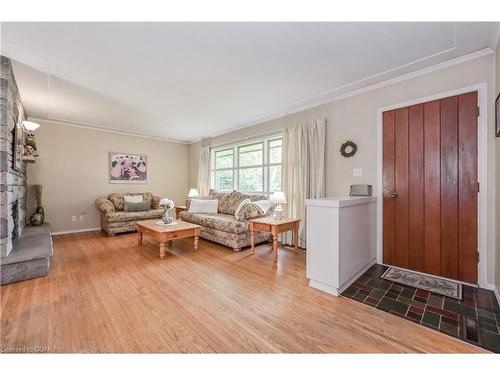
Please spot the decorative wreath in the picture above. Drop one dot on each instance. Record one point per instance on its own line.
(348, 149)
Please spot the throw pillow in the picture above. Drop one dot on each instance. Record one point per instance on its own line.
(240, 206)
(203, 206)
(249, 211)
(187, 203)
(136, 207)
(264, 206)
(133, 198)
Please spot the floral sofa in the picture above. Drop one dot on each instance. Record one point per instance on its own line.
(223, 227)
(115, 220)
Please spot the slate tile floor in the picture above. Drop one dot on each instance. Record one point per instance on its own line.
(474, 319)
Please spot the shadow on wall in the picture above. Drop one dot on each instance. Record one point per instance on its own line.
(73, 103)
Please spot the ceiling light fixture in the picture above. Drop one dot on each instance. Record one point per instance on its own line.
(30, 126)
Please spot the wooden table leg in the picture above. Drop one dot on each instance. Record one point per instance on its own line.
(139, 237)
(296, 238)
(196, 238)
(275, 245)
(252, 240)
(162, 250)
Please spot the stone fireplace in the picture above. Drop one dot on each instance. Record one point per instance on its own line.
(23, 255)
(12, 180)
(15, 218)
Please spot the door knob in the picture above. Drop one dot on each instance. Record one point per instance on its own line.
(394, 194)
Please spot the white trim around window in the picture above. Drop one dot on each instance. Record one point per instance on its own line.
(260, 159)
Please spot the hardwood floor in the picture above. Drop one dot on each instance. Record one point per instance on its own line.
(108, 294)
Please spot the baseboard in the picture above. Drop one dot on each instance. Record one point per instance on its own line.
(337, 291)
(324, 287)
(497, 294)
(75, 231)
(354, 277)
(488, 286)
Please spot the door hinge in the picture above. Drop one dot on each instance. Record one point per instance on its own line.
(478, 187)
(477, 256)
(477, 111)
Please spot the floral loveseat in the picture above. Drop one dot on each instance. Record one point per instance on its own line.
(115, 220)
(223, 227)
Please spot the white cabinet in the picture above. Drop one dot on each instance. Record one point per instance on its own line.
(341, 241)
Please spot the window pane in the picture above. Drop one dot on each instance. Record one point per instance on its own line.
(250, 179)
(250, 155)
(224, 180)
(275, 155)
(275, 143)
(275, 178)
(224, 159)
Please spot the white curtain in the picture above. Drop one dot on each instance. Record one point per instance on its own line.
(204, 172)
(303, 171)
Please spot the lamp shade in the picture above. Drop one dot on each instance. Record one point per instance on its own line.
(30, 126)
(193, 193)
(278, 197)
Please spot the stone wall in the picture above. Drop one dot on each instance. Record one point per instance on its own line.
(12, 182)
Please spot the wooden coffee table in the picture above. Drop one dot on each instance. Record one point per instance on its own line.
(275, 227)
(164, 233)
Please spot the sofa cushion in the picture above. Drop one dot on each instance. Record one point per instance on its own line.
(119, 202)
(229, 201)
(133, 198)
(249, 211)
(233, 201)
(223, 222)
(256, 197)
(223, 198)
(120, 216)
(135, 207)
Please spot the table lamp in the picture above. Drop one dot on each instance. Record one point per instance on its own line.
(193, 193)
(278, 197)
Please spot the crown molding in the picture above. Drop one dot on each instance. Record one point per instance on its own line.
(102, 129)
(311, 102)
(335, 98)
(495, 36)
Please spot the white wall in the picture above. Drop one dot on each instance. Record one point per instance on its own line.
(497, 91)
(73, 169)
(355, 118)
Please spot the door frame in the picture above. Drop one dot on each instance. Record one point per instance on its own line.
(482, 137)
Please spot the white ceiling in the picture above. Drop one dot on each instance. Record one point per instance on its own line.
(185, 81)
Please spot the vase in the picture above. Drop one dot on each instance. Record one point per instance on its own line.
(166, 218)
(39, 210)
(36, 219)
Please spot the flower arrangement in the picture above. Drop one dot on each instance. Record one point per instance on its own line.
(167, 203)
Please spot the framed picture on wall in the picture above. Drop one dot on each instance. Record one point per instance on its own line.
(126, 168)
(497, 116)
(18, 144)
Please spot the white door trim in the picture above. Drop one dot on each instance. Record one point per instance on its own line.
(482, 216)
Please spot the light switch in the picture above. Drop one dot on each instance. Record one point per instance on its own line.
(73, 219)
(357, 172)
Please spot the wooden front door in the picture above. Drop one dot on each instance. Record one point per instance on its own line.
(430, 187)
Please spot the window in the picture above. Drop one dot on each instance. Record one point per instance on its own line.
(249, 167)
